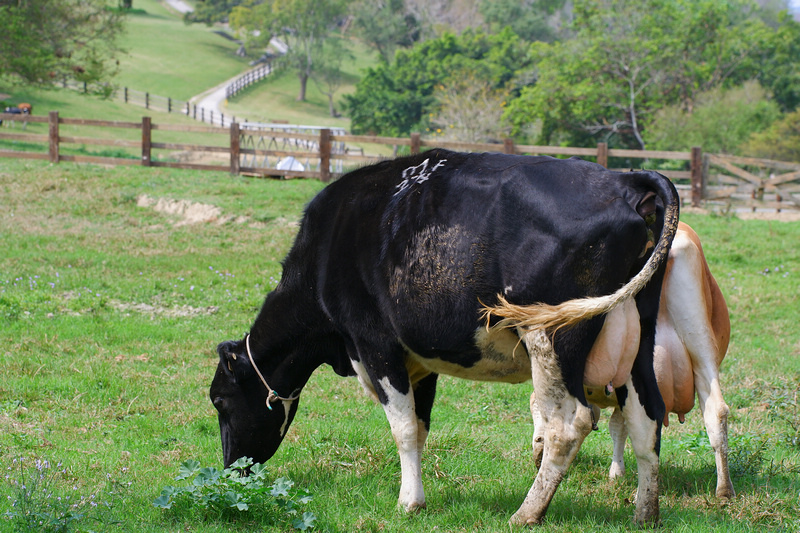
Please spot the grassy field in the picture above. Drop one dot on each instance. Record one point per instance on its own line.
(110, 312)
(169, 58)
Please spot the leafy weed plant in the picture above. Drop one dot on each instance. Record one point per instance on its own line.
(46, 500)
(241, 487)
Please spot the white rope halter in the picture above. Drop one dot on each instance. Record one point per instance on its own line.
(271, 394)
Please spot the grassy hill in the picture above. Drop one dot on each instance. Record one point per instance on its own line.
(167, 57)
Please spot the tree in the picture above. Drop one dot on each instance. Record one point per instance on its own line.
(778, 64)
(470, 110)
(385, 25)
(721, 120)
(328, 75)
(45, 40)
(781, 141)
(629, 60)
(396, 98)
(211, 11)
(532, 20)
(303, 24)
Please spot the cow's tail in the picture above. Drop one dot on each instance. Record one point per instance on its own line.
(554, 317)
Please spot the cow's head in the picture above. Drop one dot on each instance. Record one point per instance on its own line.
(252, 420)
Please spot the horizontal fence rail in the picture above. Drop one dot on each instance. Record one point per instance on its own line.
(289, 151)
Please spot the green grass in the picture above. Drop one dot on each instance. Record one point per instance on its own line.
(110, 312)
(169, 58)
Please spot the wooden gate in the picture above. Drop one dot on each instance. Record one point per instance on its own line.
(748, 183)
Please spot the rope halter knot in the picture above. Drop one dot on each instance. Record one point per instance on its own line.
(271, 394)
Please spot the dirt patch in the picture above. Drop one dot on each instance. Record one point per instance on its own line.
(783, 216)
(189, 212)
(172, 312)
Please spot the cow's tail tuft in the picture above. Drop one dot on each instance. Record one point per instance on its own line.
(551, 318)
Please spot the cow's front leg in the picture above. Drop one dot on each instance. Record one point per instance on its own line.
(409, 435)
(564, 424)
(645, 439)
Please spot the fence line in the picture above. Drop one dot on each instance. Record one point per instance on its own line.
(315, 152)
(247, 79)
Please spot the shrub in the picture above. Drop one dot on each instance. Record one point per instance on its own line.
(241, 487)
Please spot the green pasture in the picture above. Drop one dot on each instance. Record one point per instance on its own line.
(169, 58)
(110, 314)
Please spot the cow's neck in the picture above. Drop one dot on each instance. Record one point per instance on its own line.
(289, 342)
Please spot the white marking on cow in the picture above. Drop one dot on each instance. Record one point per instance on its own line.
(287, 405)
(503, 359)
(363, 379)
(643, 439)
(405, 427)
(418, 174)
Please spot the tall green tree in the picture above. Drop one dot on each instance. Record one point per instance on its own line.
(532, 20)
(212, 11)
(46, 40)
(398, 97)
(304, 25)
(385, 25)
(629, 60)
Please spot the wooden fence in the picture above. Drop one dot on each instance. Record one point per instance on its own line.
(708, 178)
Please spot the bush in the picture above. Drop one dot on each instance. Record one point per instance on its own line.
(781, 141)
(720, 121)
(239, 488)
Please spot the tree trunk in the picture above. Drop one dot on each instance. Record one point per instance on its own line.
(303, 82)
(331, 107)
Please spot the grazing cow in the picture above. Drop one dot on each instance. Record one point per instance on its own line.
(692, 334)
(457, 263)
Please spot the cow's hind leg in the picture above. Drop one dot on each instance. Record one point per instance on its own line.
(538, 432)
(715, 415)
(565, 422)
(645, 440)
(619, 434)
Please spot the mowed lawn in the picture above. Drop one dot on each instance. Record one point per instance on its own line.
(110, 312)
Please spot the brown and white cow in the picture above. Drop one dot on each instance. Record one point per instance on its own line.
(692, 335)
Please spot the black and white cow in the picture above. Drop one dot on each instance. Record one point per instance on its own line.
(482, 266)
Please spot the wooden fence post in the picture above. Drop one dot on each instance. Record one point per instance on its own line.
(416, 143)
(698, 184)
(325, 155)
(53, 135)
(125, 92)
(169, 104)
(508, 146)
(602, 154)
(235, 148)
(147, 100)
(146, 141)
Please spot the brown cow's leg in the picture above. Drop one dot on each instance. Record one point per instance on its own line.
(565, 423)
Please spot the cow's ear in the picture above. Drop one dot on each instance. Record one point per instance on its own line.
(233, 359)
(647, 207)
